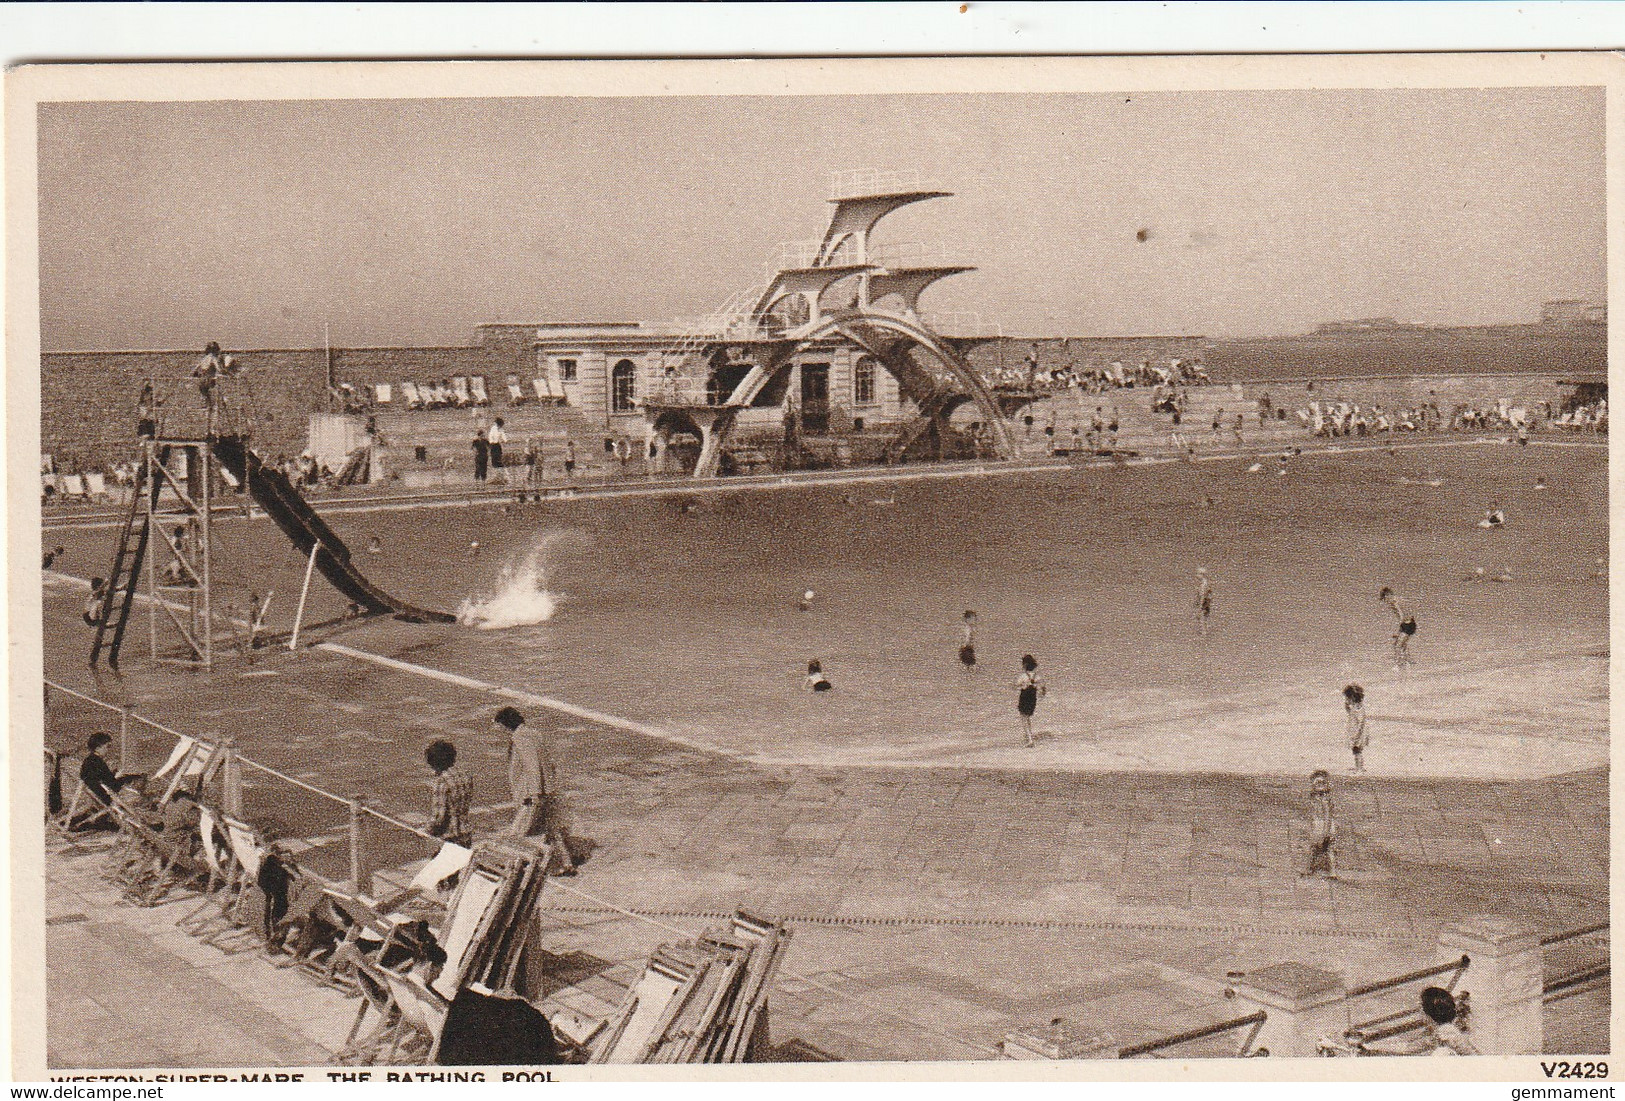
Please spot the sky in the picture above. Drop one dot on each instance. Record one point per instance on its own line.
(399, 222)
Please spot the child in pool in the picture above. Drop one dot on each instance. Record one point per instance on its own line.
(816, 681)
(967, 640)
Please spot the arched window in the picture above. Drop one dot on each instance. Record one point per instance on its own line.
(863, 381)
(623, 387)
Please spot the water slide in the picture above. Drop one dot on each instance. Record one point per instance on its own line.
(290, 511)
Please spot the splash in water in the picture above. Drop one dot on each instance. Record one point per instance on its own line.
(521, 598)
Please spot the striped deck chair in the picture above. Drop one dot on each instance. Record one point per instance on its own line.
(516, 392)
(476, 386)
(460, 397)
(414, 400)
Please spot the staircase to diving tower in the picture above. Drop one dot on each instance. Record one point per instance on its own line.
(841, 286)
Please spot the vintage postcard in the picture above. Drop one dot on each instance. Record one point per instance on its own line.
(1090, 568)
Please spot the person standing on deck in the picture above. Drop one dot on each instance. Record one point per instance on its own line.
(495, 438)
(1354, 708)
(1029, 690)
(452, 794)
(533, 779)
(1322, 826)
(482, 455)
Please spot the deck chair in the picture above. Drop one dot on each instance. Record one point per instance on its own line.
(73, 487)
(476, 386)
(449, 861)
(421, 1012)
(191, 763)
(460, 396)
(545, 392)
(220, 882)
(382, 393)
(649, 1007)
(243, 910)
(516, 392)
(84, 801)
(166, 862)
(478, 897)
(414, 400)
(96, 485)
(378, 998)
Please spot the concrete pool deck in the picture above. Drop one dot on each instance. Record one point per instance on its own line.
(935, 909)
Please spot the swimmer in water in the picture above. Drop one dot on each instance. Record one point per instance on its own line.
(1540, 481)
(1204, 597)
(375, 545)
(816, 681)
(51, 556)
(1493, 517)
(806, 602)
(474, 548)
(967, 640)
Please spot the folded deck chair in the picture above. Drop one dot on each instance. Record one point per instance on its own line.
(382, 393)
(649, 1008)
(459, 392)
(476, 385)
(414, 400)
(478, 895)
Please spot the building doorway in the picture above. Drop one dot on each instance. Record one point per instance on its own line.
(815, 398)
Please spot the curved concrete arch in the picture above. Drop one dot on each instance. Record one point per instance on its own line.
(852, 325)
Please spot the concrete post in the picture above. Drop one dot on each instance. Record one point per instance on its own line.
(1059, 1041)
(1303, 1003)
(231, 772)
(1505, 982)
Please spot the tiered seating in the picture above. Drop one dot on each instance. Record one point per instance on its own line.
(446, 435)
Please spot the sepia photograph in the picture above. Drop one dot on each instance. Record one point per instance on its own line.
(911, 561)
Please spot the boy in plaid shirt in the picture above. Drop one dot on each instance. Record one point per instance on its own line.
(452, 794)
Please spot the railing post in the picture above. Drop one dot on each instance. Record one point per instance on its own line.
(1304, 1004)
(231, 772)
(357, 810)
(1505, 982)
(126, 761)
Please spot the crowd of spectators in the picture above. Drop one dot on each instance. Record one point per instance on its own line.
(1094, 378)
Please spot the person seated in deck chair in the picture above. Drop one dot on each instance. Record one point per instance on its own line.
(99, 778)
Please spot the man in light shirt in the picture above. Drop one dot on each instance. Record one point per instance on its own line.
(531, 774)
(496, 437)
